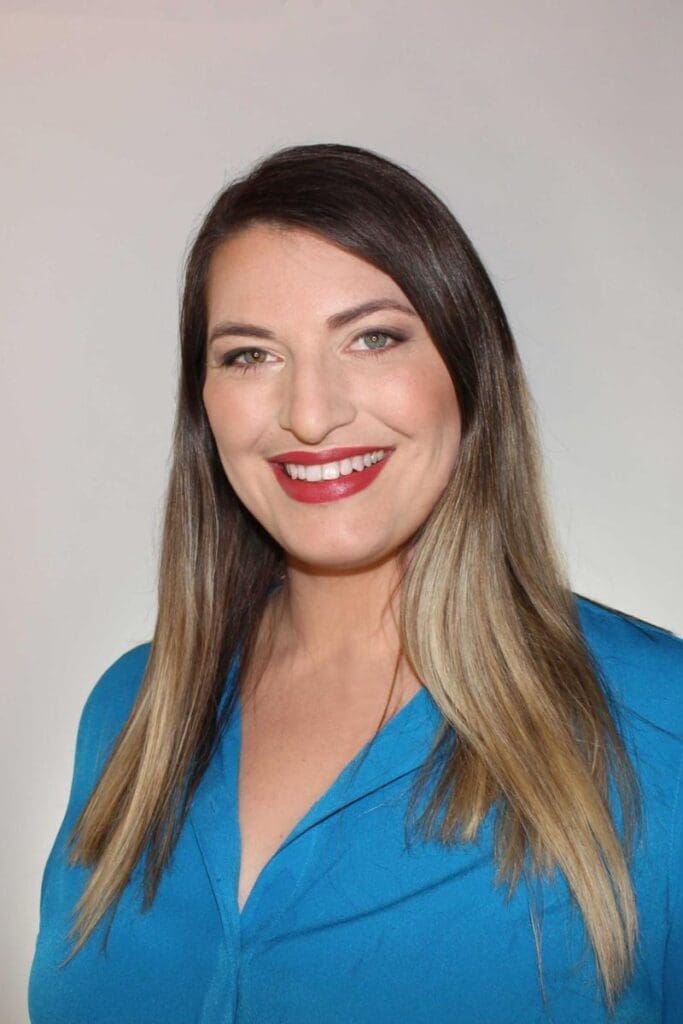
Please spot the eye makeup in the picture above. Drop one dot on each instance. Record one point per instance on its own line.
(229, 359)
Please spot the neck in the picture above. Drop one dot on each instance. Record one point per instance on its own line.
(330, 616)
(338, 632)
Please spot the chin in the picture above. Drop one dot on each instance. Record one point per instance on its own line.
(355, 561)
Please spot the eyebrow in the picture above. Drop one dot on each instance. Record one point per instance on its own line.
(234, 328)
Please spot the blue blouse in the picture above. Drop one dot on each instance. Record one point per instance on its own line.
(347, 924)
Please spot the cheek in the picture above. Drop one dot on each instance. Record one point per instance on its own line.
(428, 413)
(423, 402)
(237, 432)
(232, 425)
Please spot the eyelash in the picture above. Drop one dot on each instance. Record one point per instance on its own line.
(228, 360)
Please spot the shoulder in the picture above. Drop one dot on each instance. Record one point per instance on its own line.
(106, 711)
(641, 667)
(115, 691)
(642, 664)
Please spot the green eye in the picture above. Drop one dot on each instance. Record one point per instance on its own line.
(376, 341)
(376, 335)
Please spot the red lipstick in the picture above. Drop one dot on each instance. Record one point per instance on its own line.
(331, 455)
(327, 490)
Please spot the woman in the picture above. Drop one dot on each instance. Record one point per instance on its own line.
(378, 762)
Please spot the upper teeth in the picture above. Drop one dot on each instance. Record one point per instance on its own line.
(332, 470)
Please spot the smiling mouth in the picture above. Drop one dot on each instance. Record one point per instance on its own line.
(333, 470)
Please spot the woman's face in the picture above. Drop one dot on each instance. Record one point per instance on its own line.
(311, 378)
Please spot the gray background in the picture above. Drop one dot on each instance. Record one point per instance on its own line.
(551, 129)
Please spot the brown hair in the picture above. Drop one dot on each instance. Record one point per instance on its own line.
(487, 618)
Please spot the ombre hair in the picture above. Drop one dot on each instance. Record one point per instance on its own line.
(487, 621)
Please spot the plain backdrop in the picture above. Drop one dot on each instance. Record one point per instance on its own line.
(553, 132)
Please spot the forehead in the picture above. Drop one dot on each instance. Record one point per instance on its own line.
(290, 268)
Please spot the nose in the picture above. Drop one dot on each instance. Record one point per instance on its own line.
(316, 399)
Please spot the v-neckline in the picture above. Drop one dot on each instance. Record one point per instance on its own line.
(397, 719)
(399, 748)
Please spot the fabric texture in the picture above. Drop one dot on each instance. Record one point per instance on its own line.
(346, 923)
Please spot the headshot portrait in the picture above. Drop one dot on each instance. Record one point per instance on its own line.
(371, 732)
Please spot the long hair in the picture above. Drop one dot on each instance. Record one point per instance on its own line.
(487, 618)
